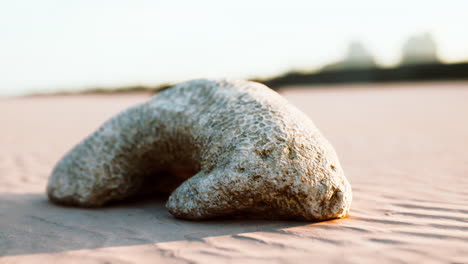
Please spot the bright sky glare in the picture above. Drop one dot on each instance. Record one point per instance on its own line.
(58, 45)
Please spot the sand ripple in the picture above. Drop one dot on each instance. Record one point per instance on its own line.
(403, 149)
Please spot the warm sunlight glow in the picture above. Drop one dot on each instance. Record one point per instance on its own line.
(56, 45)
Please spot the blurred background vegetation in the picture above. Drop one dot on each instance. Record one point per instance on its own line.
(419, 62)
(136, 46)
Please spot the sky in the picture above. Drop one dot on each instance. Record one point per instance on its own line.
(57, 45)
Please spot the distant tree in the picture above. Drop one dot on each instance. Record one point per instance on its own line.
(419, 49)
(357, 57)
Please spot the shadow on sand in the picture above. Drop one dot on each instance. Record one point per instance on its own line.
(30, 224)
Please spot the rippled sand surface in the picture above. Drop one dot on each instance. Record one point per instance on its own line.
(404, 148)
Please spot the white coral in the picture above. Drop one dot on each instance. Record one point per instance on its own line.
(251, 153)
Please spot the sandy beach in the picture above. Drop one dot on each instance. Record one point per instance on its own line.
(404, 148)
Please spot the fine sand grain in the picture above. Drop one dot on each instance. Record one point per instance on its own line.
(404, 148)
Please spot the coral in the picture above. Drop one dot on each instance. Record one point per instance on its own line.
(232, 149)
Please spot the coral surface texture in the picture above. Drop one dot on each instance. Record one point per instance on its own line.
(220, 148)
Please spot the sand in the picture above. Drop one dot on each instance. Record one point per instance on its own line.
(403, 148)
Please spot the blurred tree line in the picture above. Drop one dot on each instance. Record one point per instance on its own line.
(419, 62)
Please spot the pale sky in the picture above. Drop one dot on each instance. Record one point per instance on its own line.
(52, 45)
